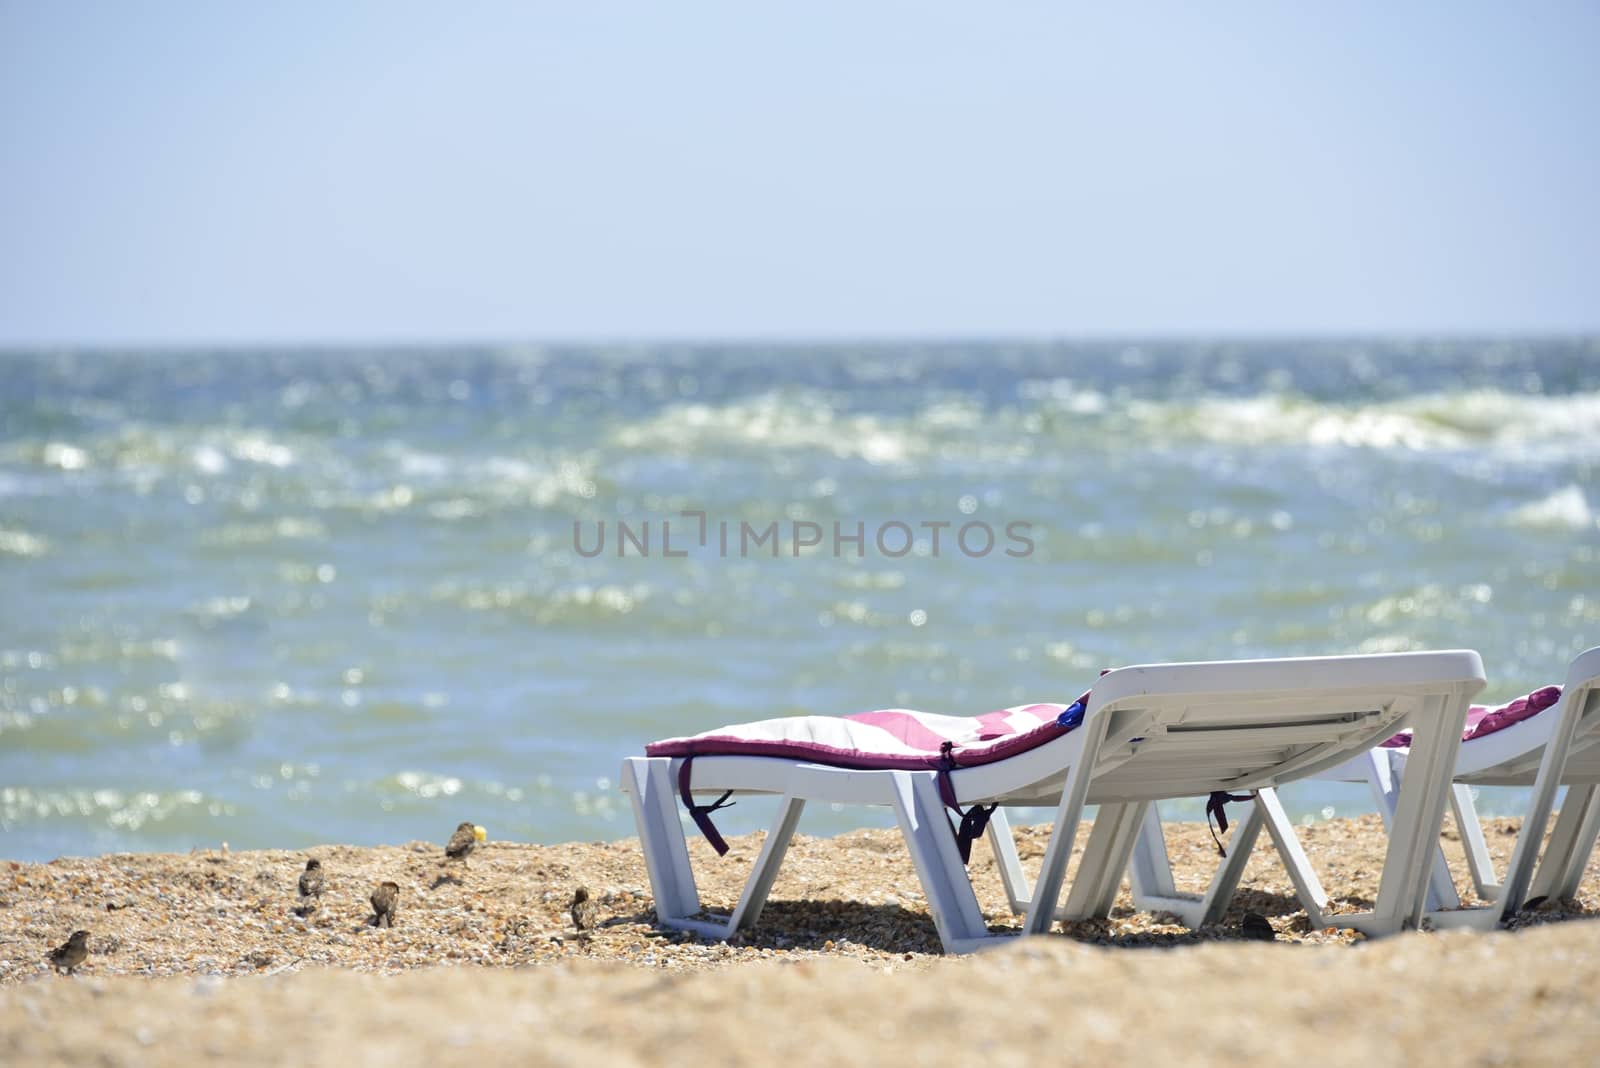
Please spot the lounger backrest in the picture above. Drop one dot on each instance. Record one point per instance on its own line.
(1582, 692)
(1511, 757)
(1174, 730)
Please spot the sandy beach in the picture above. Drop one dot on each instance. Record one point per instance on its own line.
(425, 432)
(203, 956)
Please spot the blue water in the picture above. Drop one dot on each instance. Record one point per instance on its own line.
(284, 597)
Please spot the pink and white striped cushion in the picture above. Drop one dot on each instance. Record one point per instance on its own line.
(891, 738)
(1483, 721)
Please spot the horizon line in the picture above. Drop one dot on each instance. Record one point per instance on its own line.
(796, 340)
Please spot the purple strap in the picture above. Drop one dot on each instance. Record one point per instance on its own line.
(1216, 805)
(975, 820)
(701, 814)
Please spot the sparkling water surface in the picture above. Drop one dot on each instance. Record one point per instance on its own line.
(285, 597)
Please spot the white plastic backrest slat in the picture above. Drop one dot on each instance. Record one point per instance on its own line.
(1295, 679)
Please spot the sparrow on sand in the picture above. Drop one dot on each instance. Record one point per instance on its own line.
(463, 842)
(384, 901)
(311, 886)
(71, 953)
(1255, 926)
(583, 910)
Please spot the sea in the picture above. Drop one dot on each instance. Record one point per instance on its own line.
(280, 597)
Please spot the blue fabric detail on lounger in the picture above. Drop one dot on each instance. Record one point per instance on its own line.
(1072, 715)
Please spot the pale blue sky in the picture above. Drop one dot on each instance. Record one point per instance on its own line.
(223, 172)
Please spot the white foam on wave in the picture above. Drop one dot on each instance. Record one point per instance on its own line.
(1566, 508)
(1509, 423)
(1512, 426)
(209, 460)
(15, 542)
(66, 456)
(783, 420)
(805, 420)
(260, 448)
(415, 463)
(128, 810)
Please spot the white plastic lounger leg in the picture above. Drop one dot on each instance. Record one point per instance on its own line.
(926, 828)
(1414, 853)
(666, 854)
(1571, 842)
(1583, 843)
(1004, 845)
(1053, 869)
(1477, 850)
(1151, 872)
(1150, 863)
(1105, 858)
(1386, 785)
(1307, 887)
(756, 890)
(1226, 881)
(1557, 871)
(1150, 868)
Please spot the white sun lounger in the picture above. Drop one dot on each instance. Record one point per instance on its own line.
(1147, 733)
(1559, 746)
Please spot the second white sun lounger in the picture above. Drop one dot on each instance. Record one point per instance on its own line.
(1557, 746)
(1145, 733)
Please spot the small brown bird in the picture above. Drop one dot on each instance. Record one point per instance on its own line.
(463, 842)
(66, 957)
(311, 886)
(1255, 926)
(583, 910)
(384, 901)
